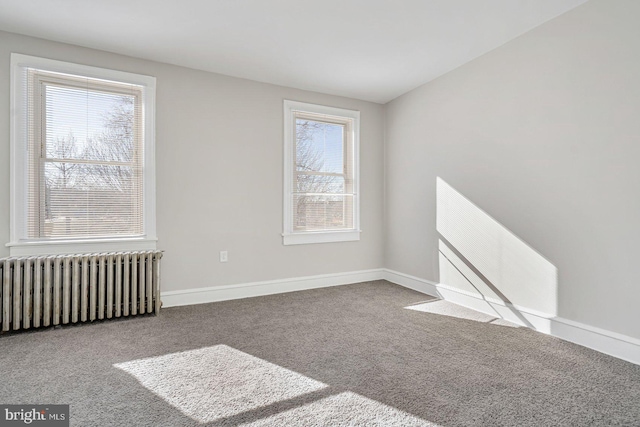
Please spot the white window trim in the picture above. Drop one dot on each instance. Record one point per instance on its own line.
(19, 245)
(290, 237)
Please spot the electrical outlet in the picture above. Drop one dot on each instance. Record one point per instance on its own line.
(224, 256)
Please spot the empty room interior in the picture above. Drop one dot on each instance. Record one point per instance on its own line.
(305, 213)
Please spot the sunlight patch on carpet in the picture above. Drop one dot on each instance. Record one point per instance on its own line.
(217, 382)
(344, 409)
(446, 308)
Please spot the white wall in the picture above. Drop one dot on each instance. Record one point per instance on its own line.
(219, 172)
(543, 135)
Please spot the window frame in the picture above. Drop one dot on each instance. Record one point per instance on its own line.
(290, 235)
(20, 243)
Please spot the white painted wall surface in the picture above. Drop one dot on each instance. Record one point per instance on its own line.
(543, 136)
(219, 172)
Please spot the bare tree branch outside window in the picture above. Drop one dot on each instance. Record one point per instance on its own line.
(320, 183)
(92, 181)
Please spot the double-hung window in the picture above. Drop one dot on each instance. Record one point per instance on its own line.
(82, 158)
(321, 200)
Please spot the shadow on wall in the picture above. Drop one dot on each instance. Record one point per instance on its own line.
(481, 259)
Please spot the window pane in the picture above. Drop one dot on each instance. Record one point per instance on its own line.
(319, 146)
(91, 200)
(315, 213)
(311, 183)
(89, 124)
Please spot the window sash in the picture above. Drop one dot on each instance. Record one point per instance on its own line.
(348, 193)
(38, 82)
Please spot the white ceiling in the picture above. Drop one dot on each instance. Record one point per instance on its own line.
(374, 50)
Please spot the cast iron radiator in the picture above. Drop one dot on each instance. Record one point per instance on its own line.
(50, 290)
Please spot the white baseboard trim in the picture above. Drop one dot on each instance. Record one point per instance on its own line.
(255, 289)
(611, 343)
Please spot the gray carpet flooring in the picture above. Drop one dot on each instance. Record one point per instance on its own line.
(365, 354)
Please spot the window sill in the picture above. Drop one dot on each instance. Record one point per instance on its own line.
(320, 237)
(60, 247)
